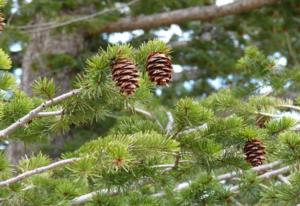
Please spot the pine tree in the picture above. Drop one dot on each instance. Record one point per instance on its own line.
(187, 152)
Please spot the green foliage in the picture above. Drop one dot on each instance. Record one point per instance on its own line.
(2, 3)
(19, 105)
(5, 61)
(5, 170)
(283, 194)
(250, 187)
(255, 63)
(290, 146)
(60, 61)
(138, 157)
(7, 81)
(44, 87)
(191, 113)
(204, 190)
(276, 126)
(33, 162)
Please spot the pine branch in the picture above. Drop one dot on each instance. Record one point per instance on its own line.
(256, 169)
(267, 175)
(147, 114)
(34, 113)
(184, 185)
(37, 171)
(52, 25)
(202, 13)
(287, 106)
(87, 197)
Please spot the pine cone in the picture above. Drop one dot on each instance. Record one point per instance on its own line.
(159, 68)
(125, 74)
(2, 24)
(255, 152)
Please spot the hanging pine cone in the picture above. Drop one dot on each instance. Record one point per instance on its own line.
(2, 24)
(159, 68)
(125, 74)
(255, 152)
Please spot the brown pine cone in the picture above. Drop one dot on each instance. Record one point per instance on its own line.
(159, 68)
(255, 152)
(126, 75)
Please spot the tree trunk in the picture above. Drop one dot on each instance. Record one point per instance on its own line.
(45, 43)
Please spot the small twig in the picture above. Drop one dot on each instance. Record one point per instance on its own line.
(284, 179)
(52, 113)
(236, 202)
(287, 106)
(256, 169)
(87, 197)
(177, 160)
(170, 123)
(269, 115)
(37, 171)
(148, 115)
(201, 127)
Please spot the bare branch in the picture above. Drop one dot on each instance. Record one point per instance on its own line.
(269, 115)
(256, 169)
(170, 123)
(148, 115)
(52, 113)
(37, 171)
(267, 175)
(201, 127)
(184, 15)
(87, 197)
(287, 106)
(179, 16)
(33, 113)
(223, 177)
(284, 179)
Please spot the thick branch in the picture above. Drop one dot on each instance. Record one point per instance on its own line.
(184, 15)
(37, 171)
(34, 113)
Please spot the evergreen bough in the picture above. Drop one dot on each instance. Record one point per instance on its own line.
(190, 155)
